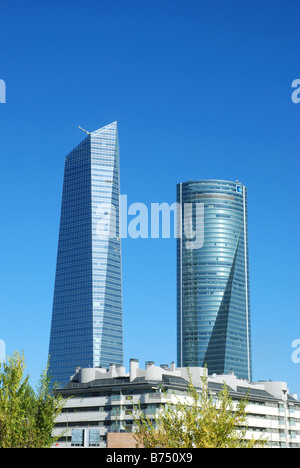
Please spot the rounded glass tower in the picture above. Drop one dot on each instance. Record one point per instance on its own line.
(213, 308)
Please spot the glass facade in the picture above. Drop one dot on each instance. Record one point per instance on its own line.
(213, 308)
(87, 321)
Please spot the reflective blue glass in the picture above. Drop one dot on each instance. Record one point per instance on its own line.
(213, 300)
(87, 322)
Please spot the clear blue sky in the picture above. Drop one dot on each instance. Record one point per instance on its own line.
(200, 90)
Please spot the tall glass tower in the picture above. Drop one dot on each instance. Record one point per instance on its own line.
(87, 322)
(213, 308)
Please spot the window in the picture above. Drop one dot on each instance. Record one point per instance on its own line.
(94, 438)
(77, 437)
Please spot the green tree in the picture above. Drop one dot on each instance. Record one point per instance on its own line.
(196, 422)
(26, 417)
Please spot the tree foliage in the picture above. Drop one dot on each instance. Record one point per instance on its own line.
(26, 417)
(196, 421)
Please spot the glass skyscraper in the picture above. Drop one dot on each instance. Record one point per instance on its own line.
(87, 321)
(213, 308)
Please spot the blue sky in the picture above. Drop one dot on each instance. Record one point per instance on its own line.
(200, 90)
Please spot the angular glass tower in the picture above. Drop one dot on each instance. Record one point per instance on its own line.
(213, 308)
(87, 321)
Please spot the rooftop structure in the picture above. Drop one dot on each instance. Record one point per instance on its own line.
(102, 402)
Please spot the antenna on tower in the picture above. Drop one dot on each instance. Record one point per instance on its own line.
(84, 130)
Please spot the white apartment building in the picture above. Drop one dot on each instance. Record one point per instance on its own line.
(99, 401)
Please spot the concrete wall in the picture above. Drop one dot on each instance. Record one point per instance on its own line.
(121, 440)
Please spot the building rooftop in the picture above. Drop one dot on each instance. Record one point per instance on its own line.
(176, 377)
